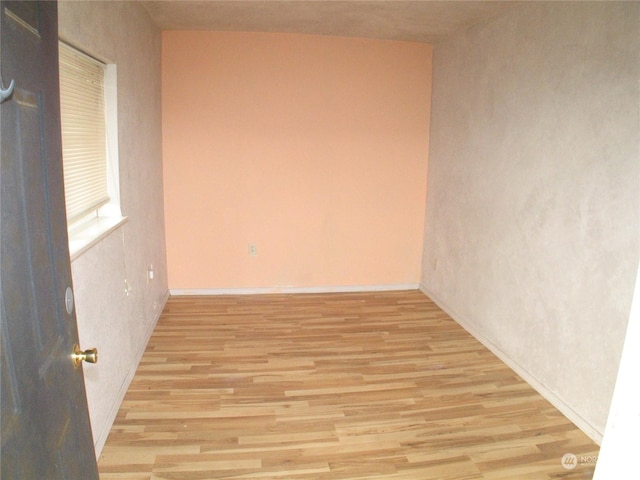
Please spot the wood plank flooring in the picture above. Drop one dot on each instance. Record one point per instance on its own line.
(331, 386)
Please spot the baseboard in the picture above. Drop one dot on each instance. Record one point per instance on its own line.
(271, 290)
(99, 442)
(556, 401)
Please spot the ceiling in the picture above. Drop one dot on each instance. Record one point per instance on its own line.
(417, 20)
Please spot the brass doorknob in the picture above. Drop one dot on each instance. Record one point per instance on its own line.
(78, 356)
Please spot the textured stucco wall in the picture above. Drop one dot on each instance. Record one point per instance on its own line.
(532, 231)
(116, 323)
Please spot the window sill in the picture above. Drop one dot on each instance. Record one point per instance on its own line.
(85, 236)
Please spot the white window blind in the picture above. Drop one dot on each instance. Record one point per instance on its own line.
(83, 132)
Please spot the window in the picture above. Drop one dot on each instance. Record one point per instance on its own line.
(89, 147)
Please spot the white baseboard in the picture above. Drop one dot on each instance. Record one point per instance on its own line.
(270, 290)
(101, 438)
(556, 401)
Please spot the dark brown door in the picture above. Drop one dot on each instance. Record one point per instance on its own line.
(45, 423)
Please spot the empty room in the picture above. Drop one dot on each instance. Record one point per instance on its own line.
(329, 239)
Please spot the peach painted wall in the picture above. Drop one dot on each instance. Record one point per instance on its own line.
(312, 148)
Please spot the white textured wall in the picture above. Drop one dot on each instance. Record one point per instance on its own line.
(116, 323)
(532, 231)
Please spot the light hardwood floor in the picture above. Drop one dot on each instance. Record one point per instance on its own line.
(331, 386)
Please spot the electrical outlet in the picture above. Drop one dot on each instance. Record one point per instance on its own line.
(150, 273)
(253, 250)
